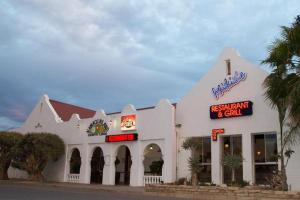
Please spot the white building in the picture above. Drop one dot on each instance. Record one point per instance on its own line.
(231, 116)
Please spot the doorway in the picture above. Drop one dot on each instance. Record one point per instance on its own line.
(123, 164)
(97, 164)
(232, 146)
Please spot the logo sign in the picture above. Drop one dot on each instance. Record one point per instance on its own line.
(228, 110)
(228, 83)
(215, 132)
(121, 137)
(128, 123)
(97, 127)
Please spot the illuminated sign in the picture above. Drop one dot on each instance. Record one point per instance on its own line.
(215, 132)
(228, 83)
(122, 137)
(97, 127)
(228, 110)
(128, 123)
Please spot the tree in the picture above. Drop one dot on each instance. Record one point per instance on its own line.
(8, 140)
(233, 162)
(156, 167)
(193, 144)
(283, 90)
(34, 152)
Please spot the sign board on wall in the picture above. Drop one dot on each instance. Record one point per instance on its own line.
(97, 127)
(236, 109)
(128, 123)
(121, 137)
(228, 83)
(215, 132)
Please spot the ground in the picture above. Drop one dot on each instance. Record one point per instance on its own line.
(33, 191)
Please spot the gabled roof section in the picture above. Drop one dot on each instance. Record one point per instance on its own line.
(65, 111)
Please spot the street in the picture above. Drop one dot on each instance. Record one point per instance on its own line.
(45, 192)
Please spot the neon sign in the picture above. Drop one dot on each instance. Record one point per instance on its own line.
(228, 83)
(97, 127)
(228, 110)
(215, 132)
(121, 137)
(128, 123)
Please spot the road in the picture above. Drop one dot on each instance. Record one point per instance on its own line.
(42, 192)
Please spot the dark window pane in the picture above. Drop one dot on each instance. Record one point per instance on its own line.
(205, 174)
(259, 148)
(206, 150)
(237, 145)
(263, 172)
(226, 146)
(271, 147)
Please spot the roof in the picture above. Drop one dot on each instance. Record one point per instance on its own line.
(65, 110)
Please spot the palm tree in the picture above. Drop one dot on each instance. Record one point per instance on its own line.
(193, 144)
(283, 89)
(233, 162)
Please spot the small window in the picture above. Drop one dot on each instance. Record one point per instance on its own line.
(228, 67)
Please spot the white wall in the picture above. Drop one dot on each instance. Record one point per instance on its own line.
(153, 126)
(193, 112)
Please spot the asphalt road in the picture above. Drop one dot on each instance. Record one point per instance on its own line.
(36, 192)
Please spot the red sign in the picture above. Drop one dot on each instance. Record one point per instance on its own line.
(121, 137)
(228, 110)
(128, 123)
(215, 132)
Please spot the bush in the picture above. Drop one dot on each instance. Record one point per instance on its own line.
(181, 181)
(34, 152)
(8, 140)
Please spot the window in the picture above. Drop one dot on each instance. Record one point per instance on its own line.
(265, 156)
(228, 67)
(232, 145)
(204, 156)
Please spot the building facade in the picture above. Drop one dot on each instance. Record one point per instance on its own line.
(226, 109)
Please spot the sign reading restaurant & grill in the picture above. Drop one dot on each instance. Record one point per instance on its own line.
(236, 109)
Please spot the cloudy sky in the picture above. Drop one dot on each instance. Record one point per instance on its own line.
(108, 53)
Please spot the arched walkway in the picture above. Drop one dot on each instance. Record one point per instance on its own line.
(123, 164)
(97, 164)
(153, 164)
(75, 162)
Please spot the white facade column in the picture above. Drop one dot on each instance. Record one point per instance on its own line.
(247, 156)
(216, 162)
(141, 170)
(67, 163)
(85, 171)
(134, 171)
(109, 170)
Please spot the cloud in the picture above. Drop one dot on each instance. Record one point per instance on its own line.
(106, 54)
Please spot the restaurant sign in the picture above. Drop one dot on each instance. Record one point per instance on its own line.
(97, 127)
(236, 109)
(228, 83)
(121, 137)
(128, 123)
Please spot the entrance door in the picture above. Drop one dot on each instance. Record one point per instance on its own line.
(232, 145)
(97, 164)
(123, 165)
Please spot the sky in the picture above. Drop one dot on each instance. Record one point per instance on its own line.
(104, 54)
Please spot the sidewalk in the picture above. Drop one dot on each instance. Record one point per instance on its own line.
(112, 188)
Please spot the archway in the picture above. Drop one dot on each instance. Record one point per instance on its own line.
(75, 162)
(153, 160)
(123, 164)
(97, 164)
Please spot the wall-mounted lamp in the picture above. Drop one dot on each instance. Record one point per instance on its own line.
(226, 145)
(151, 147)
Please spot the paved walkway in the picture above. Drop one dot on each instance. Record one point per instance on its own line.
(114, 188)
